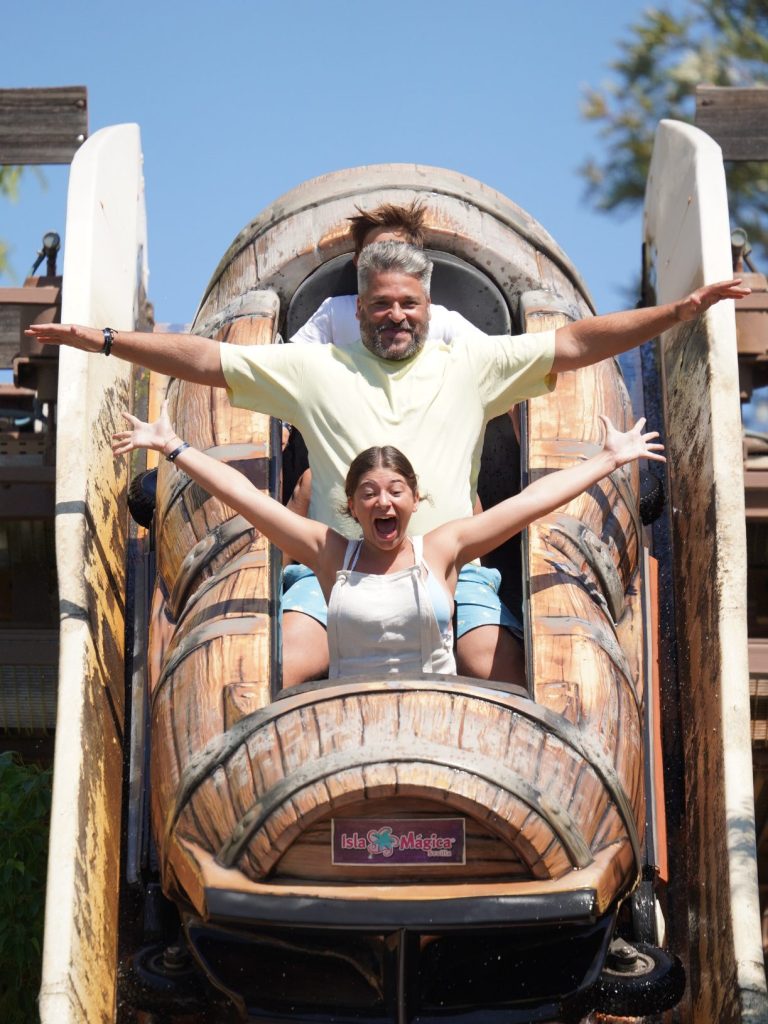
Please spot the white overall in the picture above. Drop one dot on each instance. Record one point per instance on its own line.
(385, 624)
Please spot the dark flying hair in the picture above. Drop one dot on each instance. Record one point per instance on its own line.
(408, 219)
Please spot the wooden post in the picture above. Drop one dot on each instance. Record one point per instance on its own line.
(737, 119)
(42, 126)
(105, 272)
(686, 229)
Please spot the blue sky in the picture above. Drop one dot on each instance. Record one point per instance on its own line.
(241, 100)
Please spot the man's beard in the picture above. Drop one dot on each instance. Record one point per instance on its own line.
(372, 340)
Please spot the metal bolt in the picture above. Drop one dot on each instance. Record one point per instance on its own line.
(175, 959)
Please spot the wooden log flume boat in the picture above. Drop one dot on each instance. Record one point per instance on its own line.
(392, 849)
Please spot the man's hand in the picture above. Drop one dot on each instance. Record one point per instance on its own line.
(89, 339)
(587, 341)
(185, 356)
(693, 305)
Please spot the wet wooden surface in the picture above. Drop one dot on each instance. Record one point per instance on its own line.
(715, 920)
(210, 651)
(584, 628)
(105, 246)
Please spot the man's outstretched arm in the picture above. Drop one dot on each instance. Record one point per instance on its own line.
(185, 356)
(588, 341)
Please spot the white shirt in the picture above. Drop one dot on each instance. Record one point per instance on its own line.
(335, 322)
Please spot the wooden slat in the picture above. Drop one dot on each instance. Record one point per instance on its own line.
(92, 544)
(208, 420)
(42, 126)
(737, 119)
(292, 238)
(579, 615)
(158, 388)
(20, 307)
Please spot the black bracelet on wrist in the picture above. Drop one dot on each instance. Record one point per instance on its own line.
(109, 337)
(171, 456)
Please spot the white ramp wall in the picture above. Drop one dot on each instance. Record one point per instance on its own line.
(688, 238)
(105, 278)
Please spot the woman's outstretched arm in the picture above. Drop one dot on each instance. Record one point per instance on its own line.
(464, 539)
(306, 540)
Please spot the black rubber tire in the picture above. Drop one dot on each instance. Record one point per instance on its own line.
(635, 995)
(141, 497)
(145, 985)
(652, 497)
(643, 908)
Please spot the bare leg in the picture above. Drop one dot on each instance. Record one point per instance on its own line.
(491, 652)
(305, 649)
(299, 501)
(302, 492)
(514, 415)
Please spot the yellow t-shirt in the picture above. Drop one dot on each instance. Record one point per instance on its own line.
(433, 407)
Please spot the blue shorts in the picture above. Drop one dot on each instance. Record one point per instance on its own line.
(477, 599)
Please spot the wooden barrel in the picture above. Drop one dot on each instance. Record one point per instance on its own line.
(585, 631)
(213, 610)
(251, 793)
(535, 798)
(197, 534)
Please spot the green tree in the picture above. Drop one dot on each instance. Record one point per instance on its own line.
(662, 60)
(25, 802)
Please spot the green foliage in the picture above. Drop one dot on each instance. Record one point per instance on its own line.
(664, 58)
(9, 181)
(25, 803)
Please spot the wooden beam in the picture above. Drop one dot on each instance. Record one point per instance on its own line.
(737, 119)
(42, 126)
(28, 501)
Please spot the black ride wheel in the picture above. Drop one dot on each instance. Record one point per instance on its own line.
(141, 497)
(163, 979)
(639, 979)
(652, 497)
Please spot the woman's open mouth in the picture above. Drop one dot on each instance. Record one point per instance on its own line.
(385, 527)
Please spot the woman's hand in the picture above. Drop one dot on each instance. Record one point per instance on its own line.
(632, 445)
(156, 436)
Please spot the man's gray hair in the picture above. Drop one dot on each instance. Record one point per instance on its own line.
(400, 257)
